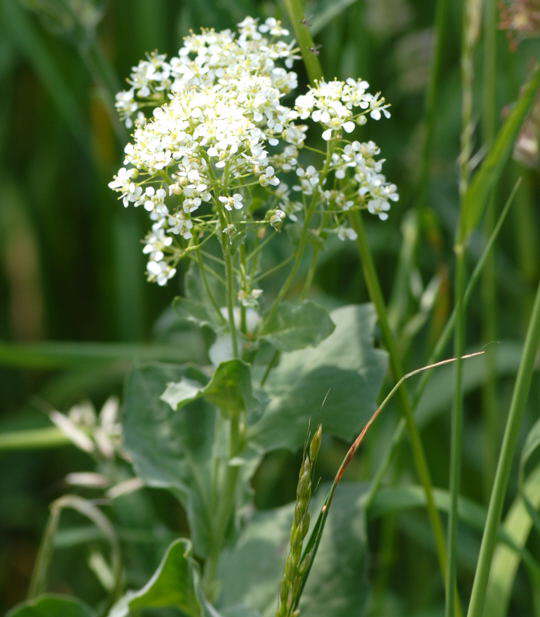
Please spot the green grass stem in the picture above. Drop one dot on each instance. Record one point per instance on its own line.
(419, 456)
(489, 285)
(504, 465)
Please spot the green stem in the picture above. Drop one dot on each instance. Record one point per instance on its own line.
(227, 503)
(440, 346)
(432, 96)
(419, 456)
(229, 277)
(304, 39)
(206, 286)
(311, 271)
(104, 76)
(456, 432)
(489, 286)
(87, 509)
(470, 29)
(504, 465)
(38, 581)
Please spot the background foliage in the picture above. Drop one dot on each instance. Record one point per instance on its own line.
(71, 268)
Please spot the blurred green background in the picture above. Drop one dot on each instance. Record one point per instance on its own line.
(71, 268)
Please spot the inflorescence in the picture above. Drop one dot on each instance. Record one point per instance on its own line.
(215, 145)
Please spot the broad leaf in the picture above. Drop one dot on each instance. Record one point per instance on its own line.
(335, 384)
(172, 449)
(173, 585)
(229, 389)
(50, 605)
(296, 326)
(337, 585)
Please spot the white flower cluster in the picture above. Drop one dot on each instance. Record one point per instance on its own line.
(341, 105)
(211, 131)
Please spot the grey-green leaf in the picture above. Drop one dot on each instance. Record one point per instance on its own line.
(298, 325)
(335, 384)
(173, 585)
(50, 605)
(171, 449)
(229, 389)
(337, 585)
(180, 393)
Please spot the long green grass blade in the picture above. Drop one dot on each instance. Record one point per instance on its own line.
(327, 12)
(19, 28)
(33, 439)
(517, 526)
(504, 466)
(53, 354)
(476, 196)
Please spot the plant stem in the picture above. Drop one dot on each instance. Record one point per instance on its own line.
(456, 431)
(440, 346)
(39, 576)
(419, 456)
(470, 29)
(89, 510)
(504, 465)
(229, 278)
(227, 502)
(207, 287)
(304, 39)
(489, 287)
(432, 97)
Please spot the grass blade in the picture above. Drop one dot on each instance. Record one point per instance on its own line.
(517, 526)
(504, 465)
(477, 194)
(56, 354)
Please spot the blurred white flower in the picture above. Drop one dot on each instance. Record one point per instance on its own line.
(98, 434)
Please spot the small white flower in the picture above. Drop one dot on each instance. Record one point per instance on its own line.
(232, 202)
(346, 233)
(249, 297)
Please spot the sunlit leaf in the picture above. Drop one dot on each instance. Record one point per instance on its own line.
(334, 384)
(295, 326)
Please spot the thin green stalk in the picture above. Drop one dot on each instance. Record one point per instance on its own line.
(504, 465)
(46, 549)
(489, 287)
(229, 276)
(432, 96)
(225, 508)
(421, 215)
(304, 39)
(440, 346)
(471, 24)
(206, 286)
(456, 432)
(302, 243)
(103, 73)
(33, 439)
(38, 581)
(422, 469)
